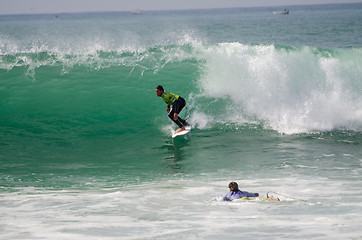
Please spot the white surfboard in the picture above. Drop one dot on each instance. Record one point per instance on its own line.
(186, 131)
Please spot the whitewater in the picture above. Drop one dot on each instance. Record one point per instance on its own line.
(275, 103)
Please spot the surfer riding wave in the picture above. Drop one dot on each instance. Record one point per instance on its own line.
(177, 103)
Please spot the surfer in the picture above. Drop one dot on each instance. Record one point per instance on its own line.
(177, 103)
(235, 193)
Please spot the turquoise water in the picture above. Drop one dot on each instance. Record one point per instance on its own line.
(275, 103)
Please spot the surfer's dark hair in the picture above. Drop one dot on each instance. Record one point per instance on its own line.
(234, 186)
(159, 87)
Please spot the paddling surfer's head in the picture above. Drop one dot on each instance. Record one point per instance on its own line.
(233, 186)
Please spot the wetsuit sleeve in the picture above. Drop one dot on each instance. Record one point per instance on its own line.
(248, 194)
(226, 197)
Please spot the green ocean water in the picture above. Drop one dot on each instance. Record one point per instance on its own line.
(275, 103)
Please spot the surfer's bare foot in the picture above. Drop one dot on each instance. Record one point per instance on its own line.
(181, 129)
(273, 198)
(186, 123)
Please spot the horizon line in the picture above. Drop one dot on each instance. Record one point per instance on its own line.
(176, 10)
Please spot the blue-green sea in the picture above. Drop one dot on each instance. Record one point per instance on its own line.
(274, 101)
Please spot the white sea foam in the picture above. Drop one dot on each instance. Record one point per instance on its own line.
(200, 120)
(290, 90)
(184, 209)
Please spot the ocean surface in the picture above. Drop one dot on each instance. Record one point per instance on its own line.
(275, 102)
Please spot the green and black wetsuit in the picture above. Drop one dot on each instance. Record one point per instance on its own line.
(177, 103)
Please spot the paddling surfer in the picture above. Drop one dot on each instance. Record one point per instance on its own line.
(235, 193)
(177, 103)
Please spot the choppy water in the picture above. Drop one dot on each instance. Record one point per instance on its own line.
(275, 103)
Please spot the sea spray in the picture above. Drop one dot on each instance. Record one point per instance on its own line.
(291, 90)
